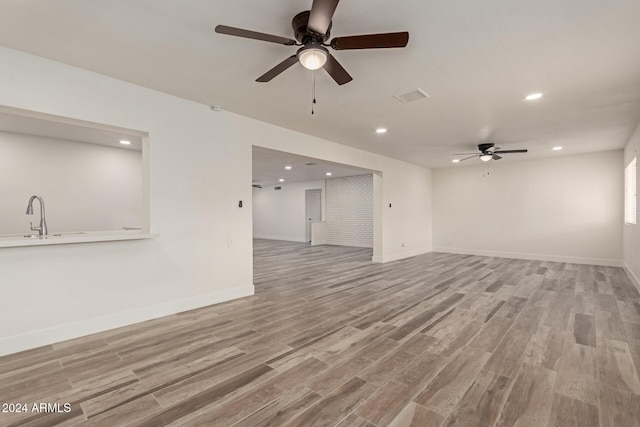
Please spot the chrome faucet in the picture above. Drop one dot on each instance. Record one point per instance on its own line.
(42, 230)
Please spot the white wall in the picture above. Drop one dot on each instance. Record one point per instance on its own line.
(406, 202)
(280, 214)
(200, 167)
(567, 208)
(631, 246)
(85, 187)
(350, 211)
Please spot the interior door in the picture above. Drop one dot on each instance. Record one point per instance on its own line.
(313, 210)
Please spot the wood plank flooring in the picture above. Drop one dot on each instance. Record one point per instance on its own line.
(331, 339)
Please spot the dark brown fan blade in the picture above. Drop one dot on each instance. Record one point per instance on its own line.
(371, 41)
(277, 69)
(494, 156)
(321, 13)
(510, 151)
(335, 70)
(239, 32)
(470, 157)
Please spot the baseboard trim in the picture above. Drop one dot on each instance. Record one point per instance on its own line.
(286, 239)
(535, 257)
(632, 276)
(29, 340)
(399, 255)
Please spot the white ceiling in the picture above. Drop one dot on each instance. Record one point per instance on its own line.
(477, 59)
(268, 168)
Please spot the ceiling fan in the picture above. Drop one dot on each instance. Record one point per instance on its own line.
(311, 31)
(488, 151)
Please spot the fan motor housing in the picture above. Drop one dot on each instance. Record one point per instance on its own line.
(484, 147)
(300, 23)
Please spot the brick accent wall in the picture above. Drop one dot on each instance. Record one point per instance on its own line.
(349, 211)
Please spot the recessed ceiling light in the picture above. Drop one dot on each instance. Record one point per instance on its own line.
(328, 174)
(455, 161)
(288, 168)
(281, 180)
(125, 142)
(381, 130)
(533, 96)
(557, 148)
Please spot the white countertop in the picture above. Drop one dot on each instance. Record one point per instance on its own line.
(14, 240)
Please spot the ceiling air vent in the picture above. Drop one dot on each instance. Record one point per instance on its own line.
(277, 187)
(256, 185)
(311, 164)
(415, 95)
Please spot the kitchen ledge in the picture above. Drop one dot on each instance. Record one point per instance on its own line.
(16, 240)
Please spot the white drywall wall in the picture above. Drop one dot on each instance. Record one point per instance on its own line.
(631, 239)
(85, 187)
(200, 167)
(350, 211)
(280, 214)
(567, 208)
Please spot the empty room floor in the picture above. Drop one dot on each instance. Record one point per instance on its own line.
(332, 339)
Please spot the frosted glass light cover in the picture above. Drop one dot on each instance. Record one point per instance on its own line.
(312, 59)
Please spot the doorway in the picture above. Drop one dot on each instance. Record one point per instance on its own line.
(313, 210)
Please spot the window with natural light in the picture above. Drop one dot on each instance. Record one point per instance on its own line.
(630, 192)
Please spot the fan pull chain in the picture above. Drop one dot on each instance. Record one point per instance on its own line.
(313, 90)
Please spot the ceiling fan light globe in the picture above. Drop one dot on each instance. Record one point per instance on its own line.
(312, 58)
(485, 157)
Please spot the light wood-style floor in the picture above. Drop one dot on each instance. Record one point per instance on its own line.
(332, 339)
